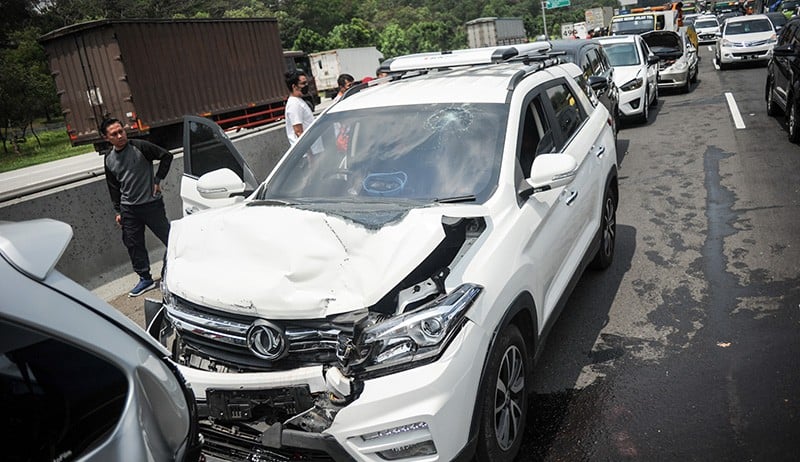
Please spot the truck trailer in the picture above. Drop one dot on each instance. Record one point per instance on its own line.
(490, 32)
(149, 73)
(328, 65)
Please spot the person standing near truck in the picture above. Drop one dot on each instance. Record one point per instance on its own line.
(136, 195)
(298, 115)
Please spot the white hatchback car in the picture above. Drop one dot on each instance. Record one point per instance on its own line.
(635, 73)
(383, 294)
(745, 39)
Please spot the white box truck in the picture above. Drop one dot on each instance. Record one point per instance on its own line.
(490, 32)
(328, 65)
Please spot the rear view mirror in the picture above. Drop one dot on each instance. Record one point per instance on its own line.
(652, 59)
(598, 83)
(549, 171)
(220, 184)
(784, 50)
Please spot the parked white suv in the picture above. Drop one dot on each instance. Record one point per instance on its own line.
(383, 294)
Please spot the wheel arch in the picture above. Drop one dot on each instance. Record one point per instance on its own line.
(522, 314)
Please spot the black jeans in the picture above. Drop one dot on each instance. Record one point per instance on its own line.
(134, 219)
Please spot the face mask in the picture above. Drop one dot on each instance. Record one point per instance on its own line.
(304, 90)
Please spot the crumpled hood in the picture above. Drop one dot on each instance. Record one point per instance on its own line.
(624, 74)
(285, 263)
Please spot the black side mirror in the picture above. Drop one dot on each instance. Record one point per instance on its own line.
(652, 59)
(598, 83)
(784, 50)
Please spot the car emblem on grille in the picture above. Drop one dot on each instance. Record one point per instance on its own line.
(266, 340)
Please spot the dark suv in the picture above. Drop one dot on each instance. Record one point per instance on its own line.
(592, 60)
(783, 83)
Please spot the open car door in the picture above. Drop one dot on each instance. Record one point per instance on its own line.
(207, 148)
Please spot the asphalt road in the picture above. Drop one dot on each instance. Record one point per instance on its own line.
(687, 348)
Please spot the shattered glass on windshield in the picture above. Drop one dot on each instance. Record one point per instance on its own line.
(432, 152)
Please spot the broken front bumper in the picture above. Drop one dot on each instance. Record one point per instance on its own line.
(425, 411)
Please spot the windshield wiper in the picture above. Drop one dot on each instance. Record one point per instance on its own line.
(455, 199)
(257, 202)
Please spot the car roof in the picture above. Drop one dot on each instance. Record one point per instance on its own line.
(571, 44)
(747, 18)
(617, 39)
(466, 85)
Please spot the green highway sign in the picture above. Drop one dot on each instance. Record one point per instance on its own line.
(556, 4)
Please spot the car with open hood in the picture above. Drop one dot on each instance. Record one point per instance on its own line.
(745, 39)
(78, 379)
(635, 74)
(677, 59)
(383, 294)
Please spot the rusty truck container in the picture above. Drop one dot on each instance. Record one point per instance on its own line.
(150, 73)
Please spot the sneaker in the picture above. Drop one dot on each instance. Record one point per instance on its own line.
(143, 286)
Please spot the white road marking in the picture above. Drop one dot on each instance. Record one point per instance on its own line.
(710, 48)
(737, 117)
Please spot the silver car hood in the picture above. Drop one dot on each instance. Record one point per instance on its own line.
(281, 262)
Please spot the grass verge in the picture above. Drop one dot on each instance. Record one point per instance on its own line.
(54, 145)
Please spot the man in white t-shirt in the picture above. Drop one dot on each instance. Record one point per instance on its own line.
(298, 115)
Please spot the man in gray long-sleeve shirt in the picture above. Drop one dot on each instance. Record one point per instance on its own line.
(136, 195)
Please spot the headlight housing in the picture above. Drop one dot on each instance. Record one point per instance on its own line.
(633, 84)
(680, 65)
(411, 339)
(727, 43)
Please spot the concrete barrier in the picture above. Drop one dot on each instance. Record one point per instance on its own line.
(96, 253)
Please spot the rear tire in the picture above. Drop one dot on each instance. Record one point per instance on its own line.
(504, 398)
(793, 119)
(772, 108)
(608, 232)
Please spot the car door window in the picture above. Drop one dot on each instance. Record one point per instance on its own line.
(536, 137)
(58, 400)
(795, 35)
(567, 110)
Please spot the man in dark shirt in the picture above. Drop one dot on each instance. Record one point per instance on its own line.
(136, 195)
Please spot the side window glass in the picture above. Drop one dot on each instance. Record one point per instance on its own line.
(795, 35)
(569, 115)
(209, 152)
(547, 142)
(530, 138)
(594, 59)
(586, 66)
(57, 400)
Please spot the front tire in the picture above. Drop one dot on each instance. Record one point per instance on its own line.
(645, 109)
(608, 233)
(504, 398)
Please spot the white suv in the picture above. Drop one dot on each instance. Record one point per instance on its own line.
(383, 294)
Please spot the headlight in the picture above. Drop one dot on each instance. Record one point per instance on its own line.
(633, 84)
(679, 65)
(412, 339)
(727, 43)
(773, 39)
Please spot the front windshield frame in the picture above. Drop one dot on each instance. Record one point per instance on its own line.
(409, 153)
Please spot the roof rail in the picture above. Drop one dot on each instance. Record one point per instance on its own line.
(465, 57)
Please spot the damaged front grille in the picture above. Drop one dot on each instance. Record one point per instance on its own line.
(205, 337)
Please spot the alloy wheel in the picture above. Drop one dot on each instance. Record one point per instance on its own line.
(509, 398)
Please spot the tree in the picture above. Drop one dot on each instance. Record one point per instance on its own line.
(310, 41)
(26, 88)
(358, 33)
(253, 9)
(430, 36)
(392, 41)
